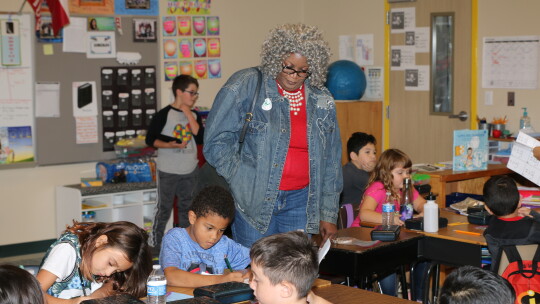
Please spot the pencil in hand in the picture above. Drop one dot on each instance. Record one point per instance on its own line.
(228, 263)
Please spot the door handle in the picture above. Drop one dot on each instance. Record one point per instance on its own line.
(462, 116)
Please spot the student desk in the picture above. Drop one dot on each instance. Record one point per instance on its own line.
(341, 294)
(447, 181)
(335, 293)
(360, 263)
(449, 247)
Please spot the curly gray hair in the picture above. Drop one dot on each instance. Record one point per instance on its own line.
(296, 38)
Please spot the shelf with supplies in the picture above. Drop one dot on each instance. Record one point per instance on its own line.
(133, 202)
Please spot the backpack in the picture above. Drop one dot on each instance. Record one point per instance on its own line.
(524, 276)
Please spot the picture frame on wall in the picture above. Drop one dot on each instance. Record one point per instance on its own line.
(137, 4)
(144, 30)
(92, 3)
(45, 32)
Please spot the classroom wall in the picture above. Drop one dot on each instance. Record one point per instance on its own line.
(27, 199)
(508, 18)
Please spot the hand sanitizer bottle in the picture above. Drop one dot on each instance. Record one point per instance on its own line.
(525, 121)
(431, 214)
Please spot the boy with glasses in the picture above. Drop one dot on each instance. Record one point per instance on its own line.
(172, 132)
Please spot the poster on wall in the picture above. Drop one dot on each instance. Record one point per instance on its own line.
(136, 7)
(16, 97)
(45, 33)
(16, 145)
(402, 20)
(188, 7)
(191, 46)
(101, 45)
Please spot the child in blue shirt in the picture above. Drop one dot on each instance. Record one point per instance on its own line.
(190, 254)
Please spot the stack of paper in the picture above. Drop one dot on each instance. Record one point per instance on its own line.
(522, 160)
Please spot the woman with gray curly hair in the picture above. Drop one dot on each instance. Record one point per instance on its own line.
(278, 147)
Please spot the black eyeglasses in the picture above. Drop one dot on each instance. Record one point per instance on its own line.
(192, 93)
(289, 71)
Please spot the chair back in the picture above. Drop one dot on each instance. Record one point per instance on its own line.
(345, 216)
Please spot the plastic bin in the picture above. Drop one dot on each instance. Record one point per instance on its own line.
(456, 197)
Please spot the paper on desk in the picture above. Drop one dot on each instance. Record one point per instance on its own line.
(324, 250)
(522, 160)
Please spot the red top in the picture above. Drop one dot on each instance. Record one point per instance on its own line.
(295, 174)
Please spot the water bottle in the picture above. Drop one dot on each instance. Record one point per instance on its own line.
(388, 210)
(156, 286)
(431, 214)
(406, 205)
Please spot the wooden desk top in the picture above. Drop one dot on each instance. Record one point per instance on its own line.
(319, 283)
(450, 175)
(341, 294)
(458, 222)
(455, 222)
(335, 293)
(364, 234)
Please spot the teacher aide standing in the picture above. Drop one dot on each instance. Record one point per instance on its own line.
(286, 174)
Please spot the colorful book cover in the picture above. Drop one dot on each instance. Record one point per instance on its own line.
(470, 150)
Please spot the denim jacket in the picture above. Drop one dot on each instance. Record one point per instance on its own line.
(253, 169)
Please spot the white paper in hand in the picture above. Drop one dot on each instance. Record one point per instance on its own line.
(324, 250)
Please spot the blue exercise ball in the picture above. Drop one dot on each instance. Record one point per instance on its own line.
(346, 80)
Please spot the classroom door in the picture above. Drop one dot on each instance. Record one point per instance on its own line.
(423, 136)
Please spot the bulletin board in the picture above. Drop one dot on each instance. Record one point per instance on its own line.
(56, 136)
(17, 130)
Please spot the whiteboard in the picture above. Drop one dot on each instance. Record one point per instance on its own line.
(17, 132)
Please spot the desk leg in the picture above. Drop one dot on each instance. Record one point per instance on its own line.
(403, 279)
(436, 281)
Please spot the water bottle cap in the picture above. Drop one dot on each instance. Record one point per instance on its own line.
(156, 266)
(431, 197)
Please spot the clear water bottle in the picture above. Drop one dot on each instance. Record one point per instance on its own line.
(406, 204)
(388, 210)
(156, 286)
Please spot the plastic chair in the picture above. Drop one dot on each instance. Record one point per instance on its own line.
(345, 216)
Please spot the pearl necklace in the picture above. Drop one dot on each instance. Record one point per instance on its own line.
(295, 99)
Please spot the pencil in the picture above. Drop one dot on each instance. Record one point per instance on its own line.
(468, 232)
(228, 263)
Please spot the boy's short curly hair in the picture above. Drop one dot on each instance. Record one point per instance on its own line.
(213, 200)
(296, 38)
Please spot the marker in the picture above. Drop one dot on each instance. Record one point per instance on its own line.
(228, 263)
(468, 232)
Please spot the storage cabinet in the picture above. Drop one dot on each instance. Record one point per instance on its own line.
(359, 116)
(133, 202)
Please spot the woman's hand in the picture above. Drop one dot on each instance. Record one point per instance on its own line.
(327, 231)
